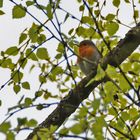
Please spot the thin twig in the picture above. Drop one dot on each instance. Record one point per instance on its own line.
(133, 5)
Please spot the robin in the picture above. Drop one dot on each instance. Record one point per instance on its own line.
(89, 56)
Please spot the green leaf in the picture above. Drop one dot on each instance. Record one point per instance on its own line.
(136, 67)
(4, 127)
(32, 67)
(64, 131)
(29, 3)
(39, 107)
(108, 98)
(71, 31)
(110, 88)
(46, 133)
(12, 51)
(17, 76)
(18, 11)
(42, 79)
(125, 115)
(111, 72)
(66, 17)
(134, 114)
(57, 70)
(1, 3)
(127, 1)
(42, 53)
(64, 90)
(136, 14)
(32, 123)
(16, 88)
(38, 93)
(2, 53)
(112, 28)
(91, 2)
(1, 12)
(52, 77)
(96, 104)
(80, 30)
(23, 37)
(31, 55)
(136, 131)
(79, 1)
(120, 124)
(86, 32)
(97, 127)
(97, 12)
(82, 112)
(89, 32)
(60, 48)
(123, 101)
(49, 11)
(34, 32)
(87, 19)
(23, 62)
(41, 38)
(21, 121)
(28, 101)
(124, 85)
(43, 67)
(77, 129)
(110, 17)
(7, 63)
(116, 3)
(58, 56)
(10, 136)
(126, 67)
(81, 8)
(112, 111)
(135, 56)
(100, 73)
(100, 120)
(47, 95)
(26, 85)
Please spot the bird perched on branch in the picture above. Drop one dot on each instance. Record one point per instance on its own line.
(89, 56)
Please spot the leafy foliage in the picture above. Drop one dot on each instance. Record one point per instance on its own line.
(18, 11)
(1, 12)
(111, 111)
(1, 3)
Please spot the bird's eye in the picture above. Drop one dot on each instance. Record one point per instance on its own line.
(84, 44)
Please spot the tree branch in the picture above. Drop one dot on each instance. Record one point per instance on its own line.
(70, 103)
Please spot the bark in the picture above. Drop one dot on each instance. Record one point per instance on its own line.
(70, 103)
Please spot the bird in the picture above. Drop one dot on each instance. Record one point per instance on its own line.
(88, 56)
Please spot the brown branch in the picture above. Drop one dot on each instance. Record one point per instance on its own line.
(70, 103)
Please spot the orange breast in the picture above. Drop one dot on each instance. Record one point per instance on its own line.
(86, 51)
